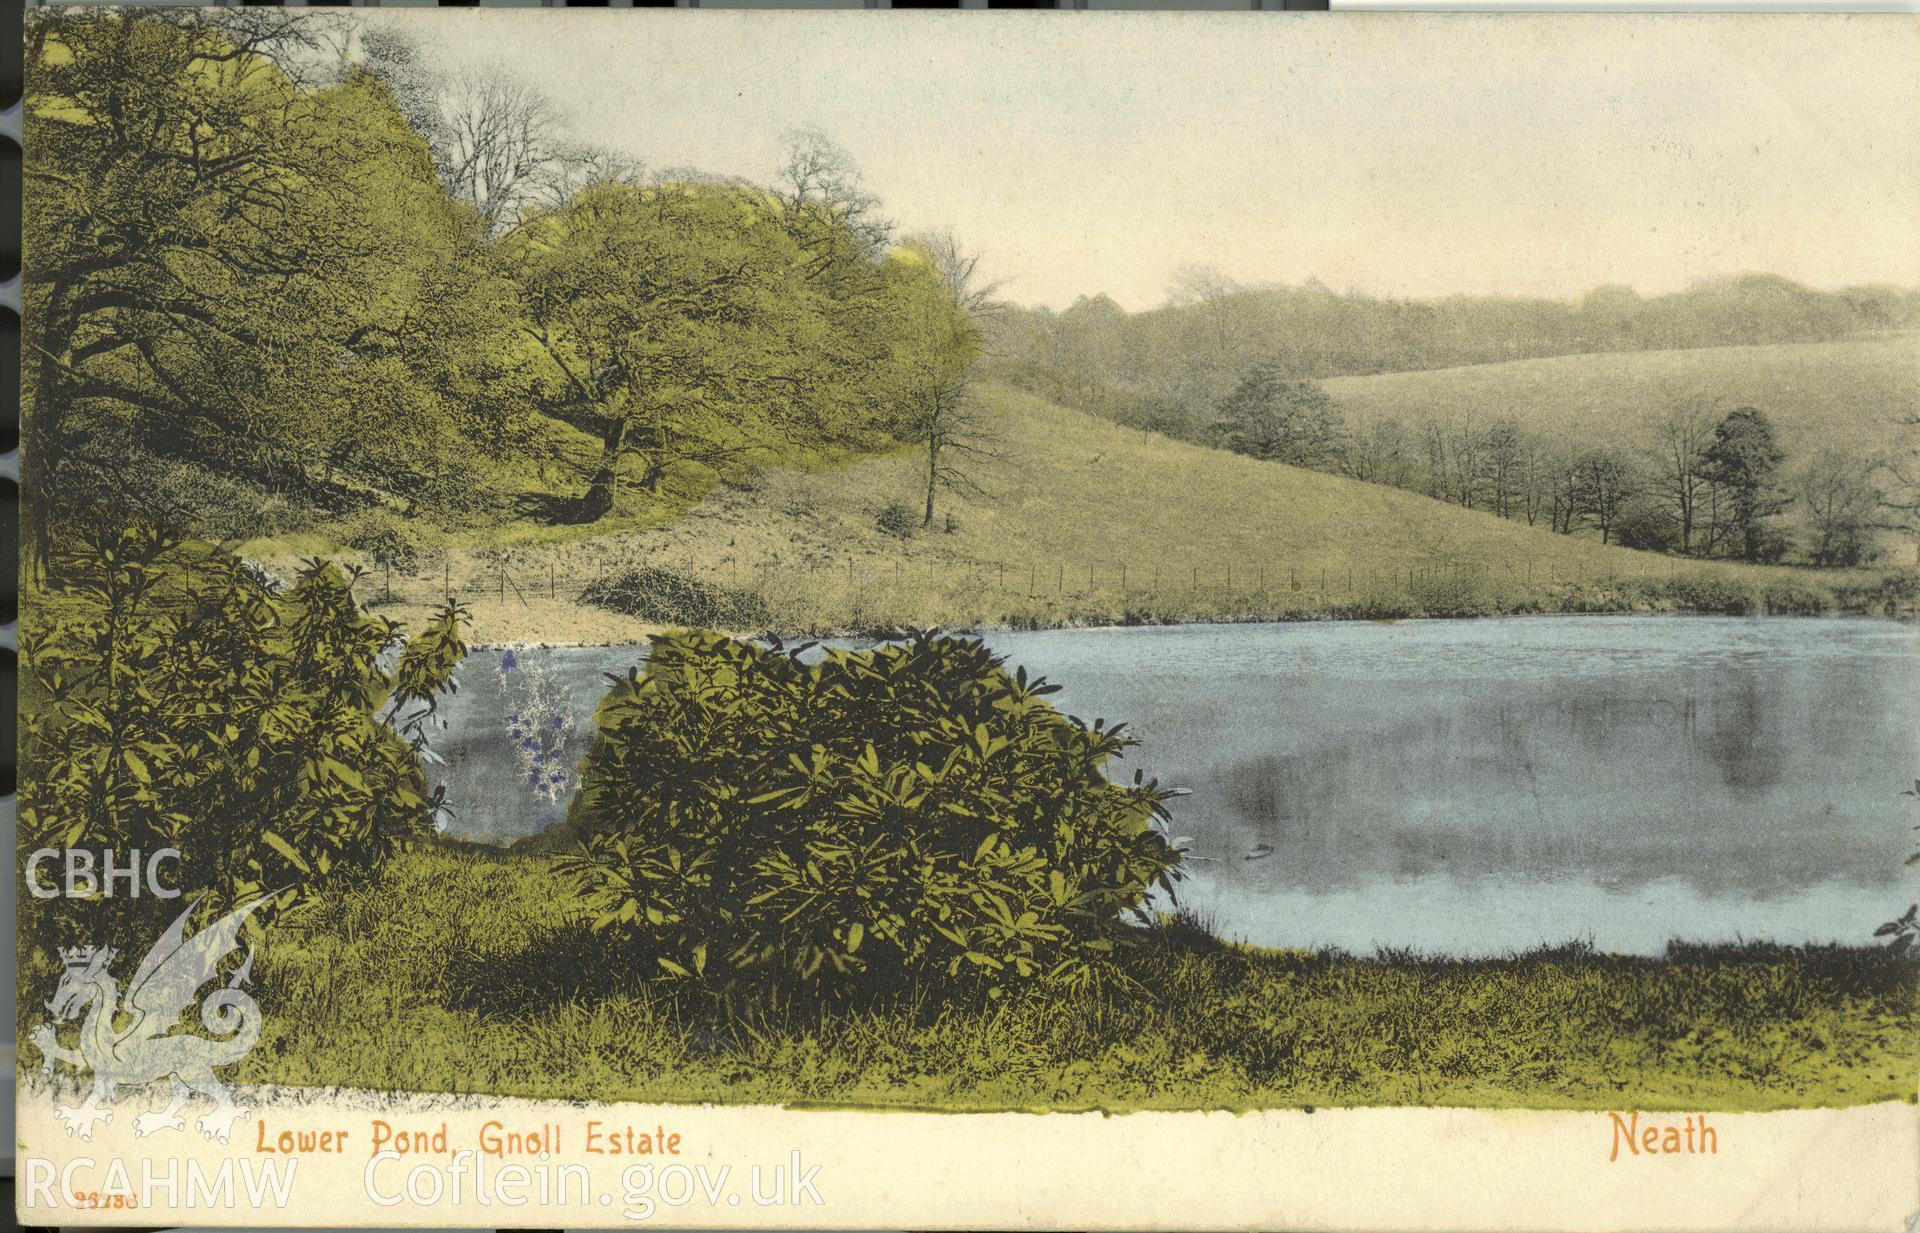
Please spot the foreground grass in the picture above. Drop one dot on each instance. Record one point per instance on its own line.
(465, 971)
(1085, 522)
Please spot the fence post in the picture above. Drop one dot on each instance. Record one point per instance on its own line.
(446, 575)
(503, 582)
(553, 585)
(1060, 579)
(1123, 577)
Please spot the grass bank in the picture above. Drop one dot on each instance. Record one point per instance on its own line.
(1080, 522)
(465, 971)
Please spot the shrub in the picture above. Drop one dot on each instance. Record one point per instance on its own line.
(180, 493)
(386, 538)
(882, 814)
(1452, 595)
(1646, 526)
(1712, 593)
(666, 598)
(1890, 593)
(174, 699)
(897, 519)
(1792, 597)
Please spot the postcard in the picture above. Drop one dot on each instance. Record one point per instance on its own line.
(966, 620)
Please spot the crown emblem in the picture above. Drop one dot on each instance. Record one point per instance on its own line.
(81, 956)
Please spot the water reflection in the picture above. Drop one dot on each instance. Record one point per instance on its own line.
(1709, 777)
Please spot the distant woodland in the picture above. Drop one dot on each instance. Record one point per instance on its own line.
(1240, 368)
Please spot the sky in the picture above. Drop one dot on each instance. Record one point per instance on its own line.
(1396, 154)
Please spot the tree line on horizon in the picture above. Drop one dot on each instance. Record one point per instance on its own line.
(278, 267)
(1190, 351)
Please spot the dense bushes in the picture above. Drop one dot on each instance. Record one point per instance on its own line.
(867, 818)
(666, 598)
(176, 698)
(385, 537)
(1710, 593)
(1890, 594)
(1791, 597)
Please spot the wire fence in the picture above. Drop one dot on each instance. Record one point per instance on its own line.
(528, 583)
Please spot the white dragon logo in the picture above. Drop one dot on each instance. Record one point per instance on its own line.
(148, 1046)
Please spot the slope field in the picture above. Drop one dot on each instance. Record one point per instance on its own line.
(1080, 521)
(1844, 395)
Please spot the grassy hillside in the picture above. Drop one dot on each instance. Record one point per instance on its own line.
(1082, 521)
(1835, 394)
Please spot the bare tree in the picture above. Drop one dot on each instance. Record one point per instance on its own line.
(1680, 440)
(1217, 336)
(1563, 471)
(500, 145)
(1500, 463)
(1375, 450)
(576, 166)
(819, 185)
(1898, 478)
(1465, 448)
(1535, 478)
(1605, 483)
(1840, 501)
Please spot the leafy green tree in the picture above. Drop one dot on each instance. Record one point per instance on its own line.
(236, 264)
(1270, 416)
(1744, 459)
(676, 326)
(937, 302)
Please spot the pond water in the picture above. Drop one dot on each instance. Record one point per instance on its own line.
(1463, 786)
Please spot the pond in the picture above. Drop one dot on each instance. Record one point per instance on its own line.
(1472, 787)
